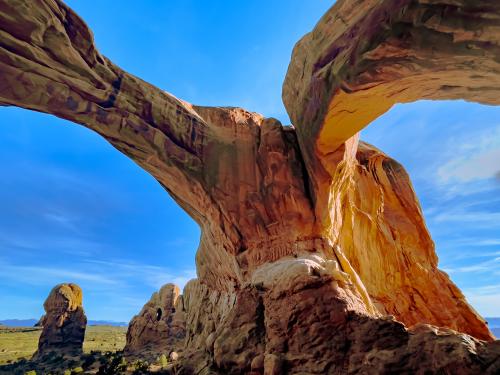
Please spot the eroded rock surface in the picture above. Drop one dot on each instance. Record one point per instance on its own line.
(303, 315)
(360, 59)
(64, 322)
(160, 326)
(309, 237)
(365, 56)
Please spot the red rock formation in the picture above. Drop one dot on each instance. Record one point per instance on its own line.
(385, 238)
(308, 236)
(299, 316)
(360, 59)
(160, 326)
(64, 322)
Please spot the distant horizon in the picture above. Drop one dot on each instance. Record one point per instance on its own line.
(495, 318)
(34, 320)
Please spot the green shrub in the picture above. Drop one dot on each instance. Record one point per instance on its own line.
(163, 361)
(140, 367)
(114, 365)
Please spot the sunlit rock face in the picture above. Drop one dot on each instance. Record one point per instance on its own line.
(314, 253)
(160, 326)
(64, 322)
(384, 236)
(360, 59)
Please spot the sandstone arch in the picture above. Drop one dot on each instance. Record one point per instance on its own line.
(308, 236)
(365, 56)
(362, 58)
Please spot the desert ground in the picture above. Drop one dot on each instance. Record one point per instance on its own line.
(102, 346)
(21, 342)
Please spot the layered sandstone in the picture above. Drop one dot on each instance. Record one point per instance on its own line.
(309, 237)
(360, 59)
(64, 322)
(160, 326)
(302, 315)
(365, 56)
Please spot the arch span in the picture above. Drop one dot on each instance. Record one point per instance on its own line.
(365, 56)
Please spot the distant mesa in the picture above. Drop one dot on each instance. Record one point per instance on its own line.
(19, 322)
(64, 322)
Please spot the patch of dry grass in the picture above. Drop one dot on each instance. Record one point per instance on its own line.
(17, 343)
(104, 339)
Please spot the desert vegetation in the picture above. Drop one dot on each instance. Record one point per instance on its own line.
(102, 353)
(17, 343)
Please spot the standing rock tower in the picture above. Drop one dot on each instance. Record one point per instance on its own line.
(64, 322)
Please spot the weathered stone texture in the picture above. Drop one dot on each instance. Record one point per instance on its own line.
(64, 322)
(160, 326)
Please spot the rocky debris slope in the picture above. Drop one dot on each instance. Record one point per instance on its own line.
(160, 326)
(64, 322)
(309, 237)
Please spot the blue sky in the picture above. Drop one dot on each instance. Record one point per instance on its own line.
(75, 209)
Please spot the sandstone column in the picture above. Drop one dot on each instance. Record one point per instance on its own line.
(64, 322)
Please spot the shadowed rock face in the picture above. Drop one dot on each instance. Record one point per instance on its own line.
(64, 322)
(310, 238)
(160, 326)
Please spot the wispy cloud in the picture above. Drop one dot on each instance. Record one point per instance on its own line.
(474, 159)
(74, 245)
(43, 275)
(490, 266)
(486, 299)
(62, 219)
(474, 242)
(104, 273)
(479, 218)
(152, 275)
